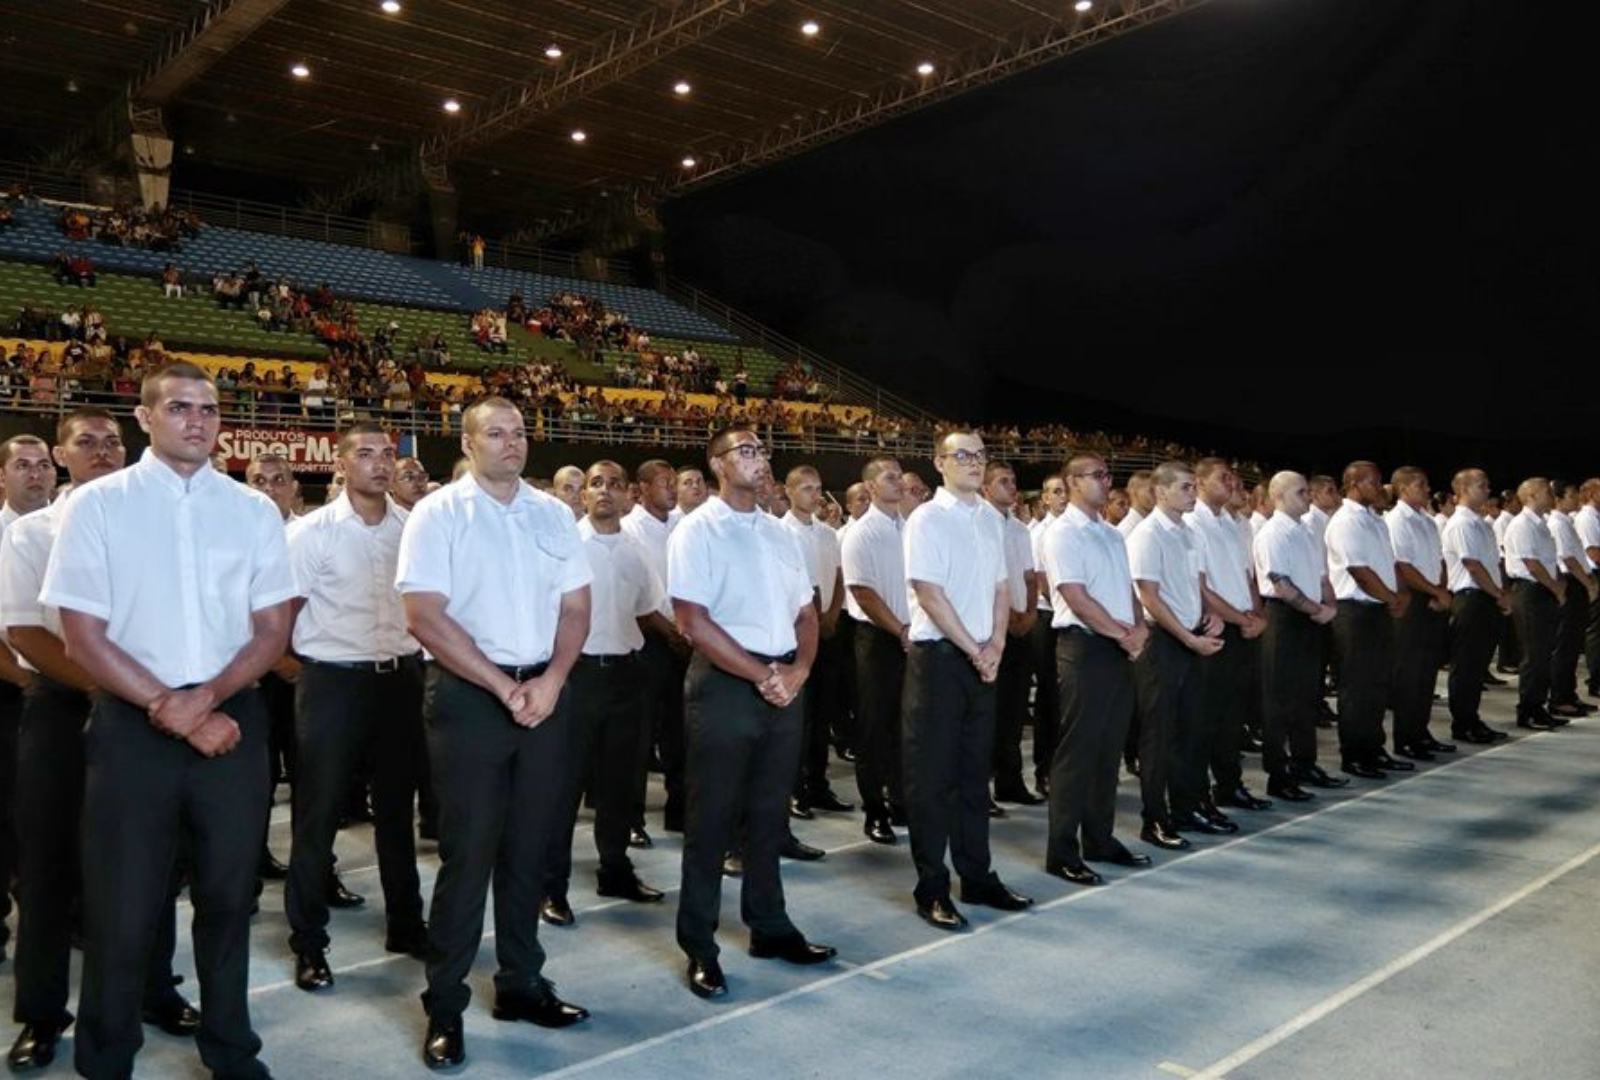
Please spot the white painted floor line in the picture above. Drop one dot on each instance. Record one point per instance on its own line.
(1175, 1069)
(1310, 1016)
(977, 930)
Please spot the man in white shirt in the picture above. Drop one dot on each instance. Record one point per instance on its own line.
(666, 654)
(1300, 602)
(1361, 568)
(1042, 640)
(1141, 502)
(1587, 523)
(1016, 663)
(873, 559)
(1229, 680)
(49, 789)
(1478, 604)
(824, 698)
(410, 483)
(1502, 512)
(1419, 633)
(741, 593)
(174, 631)
(1164, 559)
(1100, 632)
(960, 601)
(1574, 616)
(496, 588)
(567, 485)
(1325, 502)
(607, 700)
(1537, 593)
(358, 701)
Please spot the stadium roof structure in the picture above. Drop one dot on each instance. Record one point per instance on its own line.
(558, 104)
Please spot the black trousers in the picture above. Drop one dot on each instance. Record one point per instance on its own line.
(1172, 762)
(500, 788)
(880, 680)
(49, 882)
(741, 757)
(1097, 701)
(1046, 696)
(664, 727)
(1226, 682)
(602, 762)
(344, 716)
(844, 720)
(279, 697)
(1291, 686)
(1536, 613)
(1571, 623)
(10, 717)
(1419, 650)
(144, 794)
(1591, 646)
(1474, 629)
(949, 740)
(1511, 645)
(824, 696)
(1011, 715)
(1363, 639)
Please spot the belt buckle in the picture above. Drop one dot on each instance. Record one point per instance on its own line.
(384, 667)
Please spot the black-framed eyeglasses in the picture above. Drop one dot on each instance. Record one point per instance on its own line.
(1098, 474)
(749, 451)
(968, 457)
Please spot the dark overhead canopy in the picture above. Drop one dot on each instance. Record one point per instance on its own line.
(378, 83)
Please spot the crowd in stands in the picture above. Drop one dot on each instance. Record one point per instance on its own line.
(157, 228)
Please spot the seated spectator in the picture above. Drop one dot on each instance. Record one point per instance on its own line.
(71, 325)
(7, 218)
(171, 282)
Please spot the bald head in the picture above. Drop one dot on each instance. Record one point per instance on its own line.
(1289, 493)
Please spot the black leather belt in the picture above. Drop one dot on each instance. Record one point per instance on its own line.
(524, 672)
(786, 658)
(372, 667)
(609, 660)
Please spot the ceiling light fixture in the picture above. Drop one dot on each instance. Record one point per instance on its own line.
(681, 87)
(1082, 6)
(300, 71)
(553, 51)
(391, 6)
(925, 68)
(579, 135)
(688, 162)
(810, 28)
(452, 106)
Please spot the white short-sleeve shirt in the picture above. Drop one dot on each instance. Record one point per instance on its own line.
(1163, 550)
(1286, 548)
(960, 547)
(344, 568)
(1356, 537)
(1587, 522)
(1036, 531)
(1528, 537)
(874, 555)
(623, 590)
(745, 569)
(24, 553)
(1416, 541)
(652, 535)
(502, 567)
(821, 548)
(1469, 536)
(1565, 534)
(175, 565)
(1078, 551)
(1225, 561)
(1019, 561)
(1130, 521)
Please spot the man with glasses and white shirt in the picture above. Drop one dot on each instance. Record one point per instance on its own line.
(742, 594)
(960, 602)
(1479, 602)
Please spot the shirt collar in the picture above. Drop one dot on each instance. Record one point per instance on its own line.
(1163, 520)
(473, 490)
(1077, 517)
(1528, 512)
(164, 475)
(944, 497)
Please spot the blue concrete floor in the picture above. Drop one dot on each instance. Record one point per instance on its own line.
(1441, 925)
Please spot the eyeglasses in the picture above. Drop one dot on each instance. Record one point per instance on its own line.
(1098, 474)
(968, 457)
(749, 451)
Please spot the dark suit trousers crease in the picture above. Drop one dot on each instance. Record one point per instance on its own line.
(602, 760)
(1096, 692)
(880, 679)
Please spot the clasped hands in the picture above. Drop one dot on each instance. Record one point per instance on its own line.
(191, 716)
(781, 685)
(987, 660)
(531, 702)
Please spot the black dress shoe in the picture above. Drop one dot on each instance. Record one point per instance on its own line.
(1434, 746)
(1490, 680)
(793, 950)
(1209, 811)
(941, 914)
(1316, 776)
(1538, 720)
(1288, 791)
(799, 809)
(638, 838)
(1021, 796)
(1477, 736)
(1077, 873)
(443, 1047)
(36, 1045)
(1192, 821)
(556, 911)
(311, 971)
(545, 1009)
(845, 753)
(800, 852)
(412, 943)
(1555, 719)
(1161, 835)
(706, 980)
(879, 831)
(733, 865)
(1242, 799)
(269, 868)
(1364, 769)
(1117, 856)
(1414, 751)
(994, 893)
(1131, 765)
(1382, 760)
(1251, 744)
(341, 897)
(1494, 734)
(996, 810)
(825, 799)
(630, 889)
(174, 1015)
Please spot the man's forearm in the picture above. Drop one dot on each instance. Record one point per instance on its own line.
(48, 654)
(936, 605)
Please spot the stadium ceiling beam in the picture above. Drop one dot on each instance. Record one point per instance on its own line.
(590, 68)
(859, 111)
